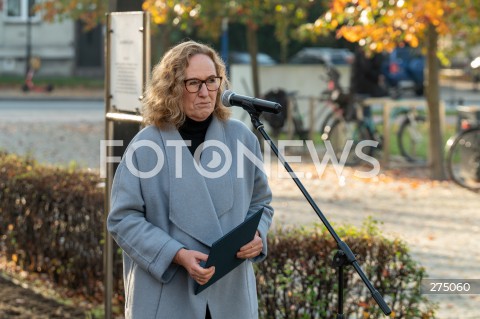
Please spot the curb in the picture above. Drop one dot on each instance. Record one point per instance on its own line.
(50, 98)
(63, 94)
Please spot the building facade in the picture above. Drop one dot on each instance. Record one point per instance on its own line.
(61, 47)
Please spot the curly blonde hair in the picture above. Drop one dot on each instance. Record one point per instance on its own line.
(162, 105)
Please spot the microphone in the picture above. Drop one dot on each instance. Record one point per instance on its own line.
(230, 99)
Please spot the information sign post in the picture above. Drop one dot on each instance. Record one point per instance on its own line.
(127, 47)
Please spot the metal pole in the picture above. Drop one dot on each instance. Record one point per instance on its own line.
(146, 51)
(29, 43)
(224, 42)
(312, 117)
(108, 244)
(111, 118)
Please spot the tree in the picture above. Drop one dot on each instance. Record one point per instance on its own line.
(90, 12)
(382, 25)
(206, 17)
(195, 16)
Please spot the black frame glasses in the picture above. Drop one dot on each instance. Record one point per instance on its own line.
(194, 85)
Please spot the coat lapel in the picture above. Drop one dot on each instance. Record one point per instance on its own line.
(196, 201)
(217, 160)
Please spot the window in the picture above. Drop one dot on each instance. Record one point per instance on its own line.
(19, 10)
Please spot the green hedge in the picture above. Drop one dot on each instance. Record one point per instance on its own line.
(51, 221)
(298, 281)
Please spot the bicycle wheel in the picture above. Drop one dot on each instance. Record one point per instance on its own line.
(463, 158)
(326, 121)
(412, 139)
(340, 132)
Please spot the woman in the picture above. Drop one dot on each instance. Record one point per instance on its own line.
(184, 182)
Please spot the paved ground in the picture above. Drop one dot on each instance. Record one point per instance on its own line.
(438, 220)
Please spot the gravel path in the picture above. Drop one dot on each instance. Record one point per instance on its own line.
(438, 220)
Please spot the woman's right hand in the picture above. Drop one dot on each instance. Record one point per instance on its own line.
(190, 260)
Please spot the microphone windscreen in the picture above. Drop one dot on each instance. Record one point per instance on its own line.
(226, 98)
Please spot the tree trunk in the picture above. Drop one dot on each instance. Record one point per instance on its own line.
(284, 51)
(126, 5)
(253, 50)
(160, 39)
(436, 144)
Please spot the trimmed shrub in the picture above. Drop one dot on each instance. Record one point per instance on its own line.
(297, 280)
(52, 221)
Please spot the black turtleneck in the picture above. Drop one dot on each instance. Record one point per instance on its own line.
(194, 131)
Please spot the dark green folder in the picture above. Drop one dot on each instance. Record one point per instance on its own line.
(223, 254)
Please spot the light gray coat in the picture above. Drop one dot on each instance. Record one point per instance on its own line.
(173, 205)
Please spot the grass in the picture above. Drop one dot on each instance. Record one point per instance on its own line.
(64, 82)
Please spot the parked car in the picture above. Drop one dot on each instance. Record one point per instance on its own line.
(403, 69)
(334, 56)
(236, 57)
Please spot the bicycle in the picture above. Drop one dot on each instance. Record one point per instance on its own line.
(463, 155)
(350, 124)
(288, 100)
(333, 99)
(277, 121)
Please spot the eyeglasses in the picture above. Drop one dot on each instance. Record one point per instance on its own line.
(194, 85)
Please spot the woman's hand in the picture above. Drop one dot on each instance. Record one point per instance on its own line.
(252, 249)
(190, 260)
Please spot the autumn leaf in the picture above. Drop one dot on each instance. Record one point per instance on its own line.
(383, 25)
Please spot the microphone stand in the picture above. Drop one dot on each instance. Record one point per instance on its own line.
(344, 255)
